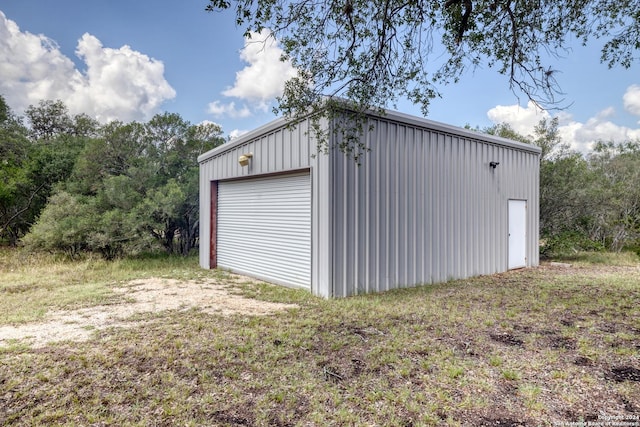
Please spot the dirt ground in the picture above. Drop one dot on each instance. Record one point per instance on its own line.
(153, 295)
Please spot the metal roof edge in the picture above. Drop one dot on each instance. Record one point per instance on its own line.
(455, 130)
(266, 128)
(387, 114)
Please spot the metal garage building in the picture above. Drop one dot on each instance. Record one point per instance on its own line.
(429, 203)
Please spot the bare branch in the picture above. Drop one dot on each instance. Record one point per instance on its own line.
(24, 209)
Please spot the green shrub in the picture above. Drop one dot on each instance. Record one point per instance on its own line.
(633, 247)
(74, 224)
(568, 243)
(64, 226)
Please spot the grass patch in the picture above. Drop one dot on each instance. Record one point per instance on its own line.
(602, 258)
(33, 283)
(528, 347)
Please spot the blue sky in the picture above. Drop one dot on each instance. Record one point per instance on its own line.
(127, 60)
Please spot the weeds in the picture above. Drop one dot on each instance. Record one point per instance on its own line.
(33, 283)
(530, 347)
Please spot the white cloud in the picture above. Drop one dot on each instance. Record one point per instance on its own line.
(118, 83)
(209, 123)
(598, 128)
(236, 133)
(261, 81)
(218, 110)
(30, 65)
(521, 119)
(631, 100)
(580, 136)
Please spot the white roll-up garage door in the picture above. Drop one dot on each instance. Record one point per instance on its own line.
(264, 228)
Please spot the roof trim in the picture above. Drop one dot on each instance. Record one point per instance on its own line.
(388, 115)
(243, 139)
(455, 130)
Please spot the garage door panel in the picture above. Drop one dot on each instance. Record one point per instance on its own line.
(264, 228)
(281, 252)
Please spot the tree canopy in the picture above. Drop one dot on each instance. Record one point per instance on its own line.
(69, 184)
(586, 202)
(371, 52)
(32, 162)
(131, 188)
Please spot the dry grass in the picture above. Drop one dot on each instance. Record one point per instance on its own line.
(138, 297)
(31, 284)
(531, 347)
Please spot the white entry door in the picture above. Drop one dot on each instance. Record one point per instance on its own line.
(264, 228)
(517, 234)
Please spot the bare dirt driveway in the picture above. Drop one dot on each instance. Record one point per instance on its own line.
(153, 295)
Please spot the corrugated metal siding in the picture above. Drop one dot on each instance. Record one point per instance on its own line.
(280, 149)
(425, 207)
(275, 149)
(264, 228)
(204, 249)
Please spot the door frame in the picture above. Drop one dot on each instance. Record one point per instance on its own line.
(213, 226)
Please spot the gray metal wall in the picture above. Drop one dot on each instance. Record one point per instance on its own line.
(276, 149)
(423, 207)
(426, 207)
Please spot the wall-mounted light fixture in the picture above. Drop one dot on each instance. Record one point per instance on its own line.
(493, 165)
(244, 159)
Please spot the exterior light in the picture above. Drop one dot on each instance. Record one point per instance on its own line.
(493, 165)
(244, 159)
